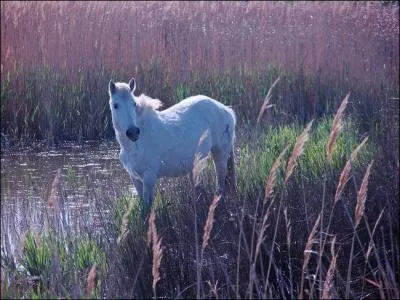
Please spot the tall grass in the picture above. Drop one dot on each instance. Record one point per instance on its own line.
(276, 256)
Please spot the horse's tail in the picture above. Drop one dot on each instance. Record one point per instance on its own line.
(231, 176)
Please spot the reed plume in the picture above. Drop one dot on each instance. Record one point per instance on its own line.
(336, 126)
(124, 224)
(155, 241)
(91, 280)
(210, 221)
(345, 175)
(272, 175)
(362, 196)
(266, 104)
(55, 187)
(328, 284)
(297, 150)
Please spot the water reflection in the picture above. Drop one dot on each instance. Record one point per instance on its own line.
(91, 179)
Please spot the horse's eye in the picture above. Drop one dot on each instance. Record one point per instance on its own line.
(116, 106)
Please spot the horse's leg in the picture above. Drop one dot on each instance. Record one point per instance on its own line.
(139, 187)
(220, 163)
(149, 180)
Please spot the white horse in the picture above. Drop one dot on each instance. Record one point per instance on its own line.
(165, 143)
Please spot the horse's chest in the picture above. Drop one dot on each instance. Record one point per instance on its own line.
(131, 165)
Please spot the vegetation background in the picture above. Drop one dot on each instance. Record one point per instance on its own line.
(57, 59)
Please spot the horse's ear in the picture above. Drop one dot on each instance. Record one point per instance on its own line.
(132, 84)
(112, 88)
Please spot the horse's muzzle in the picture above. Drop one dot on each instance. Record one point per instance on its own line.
(133, 133)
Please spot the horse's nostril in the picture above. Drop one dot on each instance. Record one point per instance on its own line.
(133, 133)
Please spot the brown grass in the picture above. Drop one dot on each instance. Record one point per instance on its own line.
(76, 34)
(297, 150)
(336, 127)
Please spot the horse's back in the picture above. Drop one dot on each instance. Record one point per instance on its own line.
(203, 108)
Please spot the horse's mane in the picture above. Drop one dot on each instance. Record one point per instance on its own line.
(147, 102)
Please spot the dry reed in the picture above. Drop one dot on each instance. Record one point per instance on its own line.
(210, 220)
(307, 253)
(91, 280)
(362, 196)
(371, 240)
(345, 174)
(336, 127)
(297, 150)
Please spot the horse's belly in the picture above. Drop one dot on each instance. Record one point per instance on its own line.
(175, 168)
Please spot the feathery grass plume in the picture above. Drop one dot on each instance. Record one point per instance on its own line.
(155, 241)
(272, 174)
(307, 250)
(265, 105)
(91, 280)
(328, 284)
(362, 196)
(297, 150)
(345, 175)
(124, 223)
(55, 186)
(307, 253)
(210, 221)
(336, 126)
(199, 165)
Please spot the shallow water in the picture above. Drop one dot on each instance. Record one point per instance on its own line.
(91, 179)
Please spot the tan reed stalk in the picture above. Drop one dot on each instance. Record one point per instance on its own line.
(210, 221)
(268, 190)
(155, 240)
(297, 150)
(272, 175)
(371, 241)
(307, 253)
(336, 127)
(362, 196)
(91, 280)
(55, 186)
(288, 239)
(266, 104)
(359, 211)
(345, 175)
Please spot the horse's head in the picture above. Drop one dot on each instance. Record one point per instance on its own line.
(123, 109)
